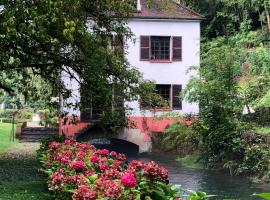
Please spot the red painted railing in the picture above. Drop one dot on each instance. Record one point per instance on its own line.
(147, 125)
(68, 127)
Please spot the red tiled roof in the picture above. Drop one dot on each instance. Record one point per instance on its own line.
(166, 9)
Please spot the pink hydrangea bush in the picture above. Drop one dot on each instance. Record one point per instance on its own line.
(81, 172)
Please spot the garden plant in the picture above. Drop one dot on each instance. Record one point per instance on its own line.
(79, 171)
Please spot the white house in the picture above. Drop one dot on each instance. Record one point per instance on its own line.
(167, 44)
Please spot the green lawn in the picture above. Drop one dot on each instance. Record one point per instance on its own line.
(19, 176)
(20, 180)
(5, 143)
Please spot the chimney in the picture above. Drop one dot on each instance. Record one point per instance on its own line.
(139, 6)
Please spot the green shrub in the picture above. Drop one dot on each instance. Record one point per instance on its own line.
(15, 120)
(179, 134)
(256, 160)
(48, 117)
(19, 115)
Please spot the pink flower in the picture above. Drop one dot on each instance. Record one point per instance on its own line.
(84, 147)
(67, 142)
(65, 160)
(95, 159)
(121, 156)
(103, 159)
(103, 166)
(110, 188)
(104, 152)
(164, 173)
(70, 179)
(113, 154)
(84, 192)
(111, 173)
(54, 145)
(89, 172)
(81, 155)
(137, 165)
(71, 141)
(153, 171)
(78, 165)
(128, 180)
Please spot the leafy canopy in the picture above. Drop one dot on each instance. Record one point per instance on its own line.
(46, 38)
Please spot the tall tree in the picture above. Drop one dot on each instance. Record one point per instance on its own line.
(46, 37)
(226, 17)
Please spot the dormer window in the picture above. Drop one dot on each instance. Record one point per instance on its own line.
(161, 48)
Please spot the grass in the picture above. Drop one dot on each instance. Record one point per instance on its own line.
(262, 130)
(5, 143)
(20, 180)
(19, 177)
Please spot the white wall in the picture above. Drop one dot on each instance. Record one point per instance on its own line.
(162, 73)
(74, 87)
(166, 73)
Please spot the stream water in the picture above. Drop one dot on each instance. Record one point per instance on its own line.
(212, 182)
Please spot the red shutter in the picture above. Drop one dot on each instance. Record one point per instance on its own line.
(176, 100)
(145, 47)
(177, 48)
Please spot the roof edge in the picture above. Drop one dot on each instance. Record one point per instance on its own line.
(190, 10)
(169, 18)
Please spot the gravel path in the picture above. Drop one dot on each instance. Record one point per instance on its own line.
(21, 151)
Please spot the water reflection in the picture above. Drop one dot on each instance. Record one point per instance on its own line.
(212, 182)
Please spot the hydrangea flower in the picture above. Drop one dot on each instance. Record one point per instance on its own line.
(129, 180)
(78, 165)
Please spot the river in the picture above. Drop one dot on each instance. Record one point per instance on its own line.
(212, 182)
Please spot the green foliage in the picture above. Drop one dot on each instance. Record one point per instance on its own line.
(22, 115)
(192, 161)
(42, 39)
(199, 195)
(258, 77)
(262, 130)
(179, 135)
(216, 90)
(226, 17)
(256, 160)
(265, 196)
(49, 117)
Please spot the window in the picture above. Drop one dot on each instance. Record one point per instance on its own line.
(92, 110)
(164, 91)
(169, 93)
(161, 48)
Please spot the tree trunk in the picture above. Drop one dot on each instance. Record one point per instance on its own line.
(267, 16)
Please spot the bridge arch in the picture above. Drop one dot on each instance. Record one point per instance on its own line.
(123, 142)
